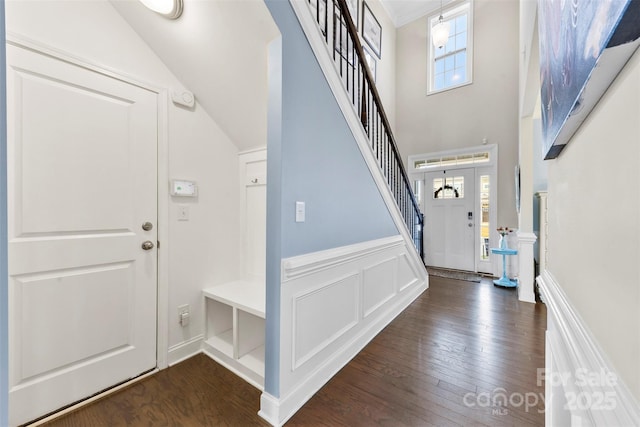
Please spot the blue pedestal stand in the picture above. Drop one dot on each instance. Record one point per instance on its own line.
(504, 280)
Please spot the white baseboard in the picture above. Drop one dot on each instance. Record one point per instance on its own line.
(582, 387)
(269, 409)
(363, 286)
(185, 350)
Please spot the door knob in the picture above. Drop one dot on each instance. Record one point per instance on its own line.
(148, 245)
(470, 224)
(146, 226)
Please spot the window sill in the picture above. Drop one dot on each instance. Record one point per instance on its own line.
(435, 92)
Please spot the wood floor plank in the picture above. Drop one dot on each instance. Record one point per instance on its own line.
(442, 362)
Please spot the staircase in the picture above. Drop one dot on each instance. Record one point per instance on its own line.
(335, 25)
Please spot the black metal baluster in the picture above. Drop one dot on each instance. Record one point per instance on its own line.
(352, 68)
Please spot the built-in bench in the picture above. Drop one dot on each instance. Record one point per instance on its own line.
(235, 327)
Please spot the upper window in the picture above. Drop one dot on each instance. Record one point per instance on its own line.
(450, 65)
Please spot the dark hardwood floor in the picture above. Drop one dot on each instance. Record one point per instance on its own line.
(450, 359)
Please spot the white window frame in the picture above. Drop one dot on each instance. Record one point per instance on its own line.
(454, 10)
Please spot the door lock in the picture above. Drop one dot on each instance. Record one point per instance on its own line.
(146, 226)
(148, 245)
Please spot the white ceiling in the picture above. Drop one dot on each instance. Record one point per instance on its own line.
(404, 11)
(218, 50)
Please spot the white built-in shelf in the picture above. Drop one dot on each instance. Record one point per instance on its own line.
(223, 342)
(235, 327)
(254, 360)
(246, 295)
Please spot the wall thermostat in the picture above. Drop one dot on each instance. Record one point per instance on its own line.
(182, 188)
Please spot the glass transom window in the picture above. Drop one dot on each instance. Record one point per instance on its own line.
(452, 160)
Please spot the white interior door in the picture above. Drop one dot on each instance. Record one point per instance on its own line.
(82, 165)
(449, 201)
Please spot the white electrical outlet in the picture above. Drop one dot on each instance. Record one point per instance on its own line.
(183, 314)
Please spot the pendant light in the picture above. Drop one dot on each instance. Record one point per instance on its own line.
(440, 31)
(171, 9)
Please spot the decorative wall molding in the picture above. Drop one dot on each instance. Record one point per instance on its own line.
(293, 268)
(311, 337)
(572, 354)
(332, 304)
(408, 275)
(382, 285)
(185, 350)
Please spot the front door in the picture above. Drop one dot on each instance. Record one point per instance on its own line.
(82, 173)
(449, 219)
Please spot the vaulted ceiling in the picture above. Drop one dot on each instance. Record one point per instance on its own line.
(218, 50)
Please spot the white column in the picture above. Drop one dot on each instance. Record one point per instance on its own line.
(525, 261)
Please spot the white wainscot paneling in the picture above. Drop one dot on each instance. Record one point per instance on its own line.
(313, 328)
(332, 304)
(379, 285)
(408, 274)
(581, 387)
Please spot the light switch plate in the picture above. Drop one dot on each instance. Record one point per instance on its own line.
(300, 212)
(183, 213)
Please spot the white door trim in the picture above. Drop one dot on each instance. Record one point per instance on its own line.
(162, 338)
(480, 169)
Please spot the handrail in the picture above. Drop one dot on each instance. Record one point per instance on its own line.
(353, 31)
(360, 85)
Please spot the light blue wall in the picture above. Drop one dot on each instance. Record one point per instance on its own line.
(314, 159)
(321, 162)
(274, 213)
(4, 318)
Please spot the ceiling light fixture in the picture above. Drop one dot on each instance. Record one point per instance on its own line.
(440, 31)
(171, 9)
